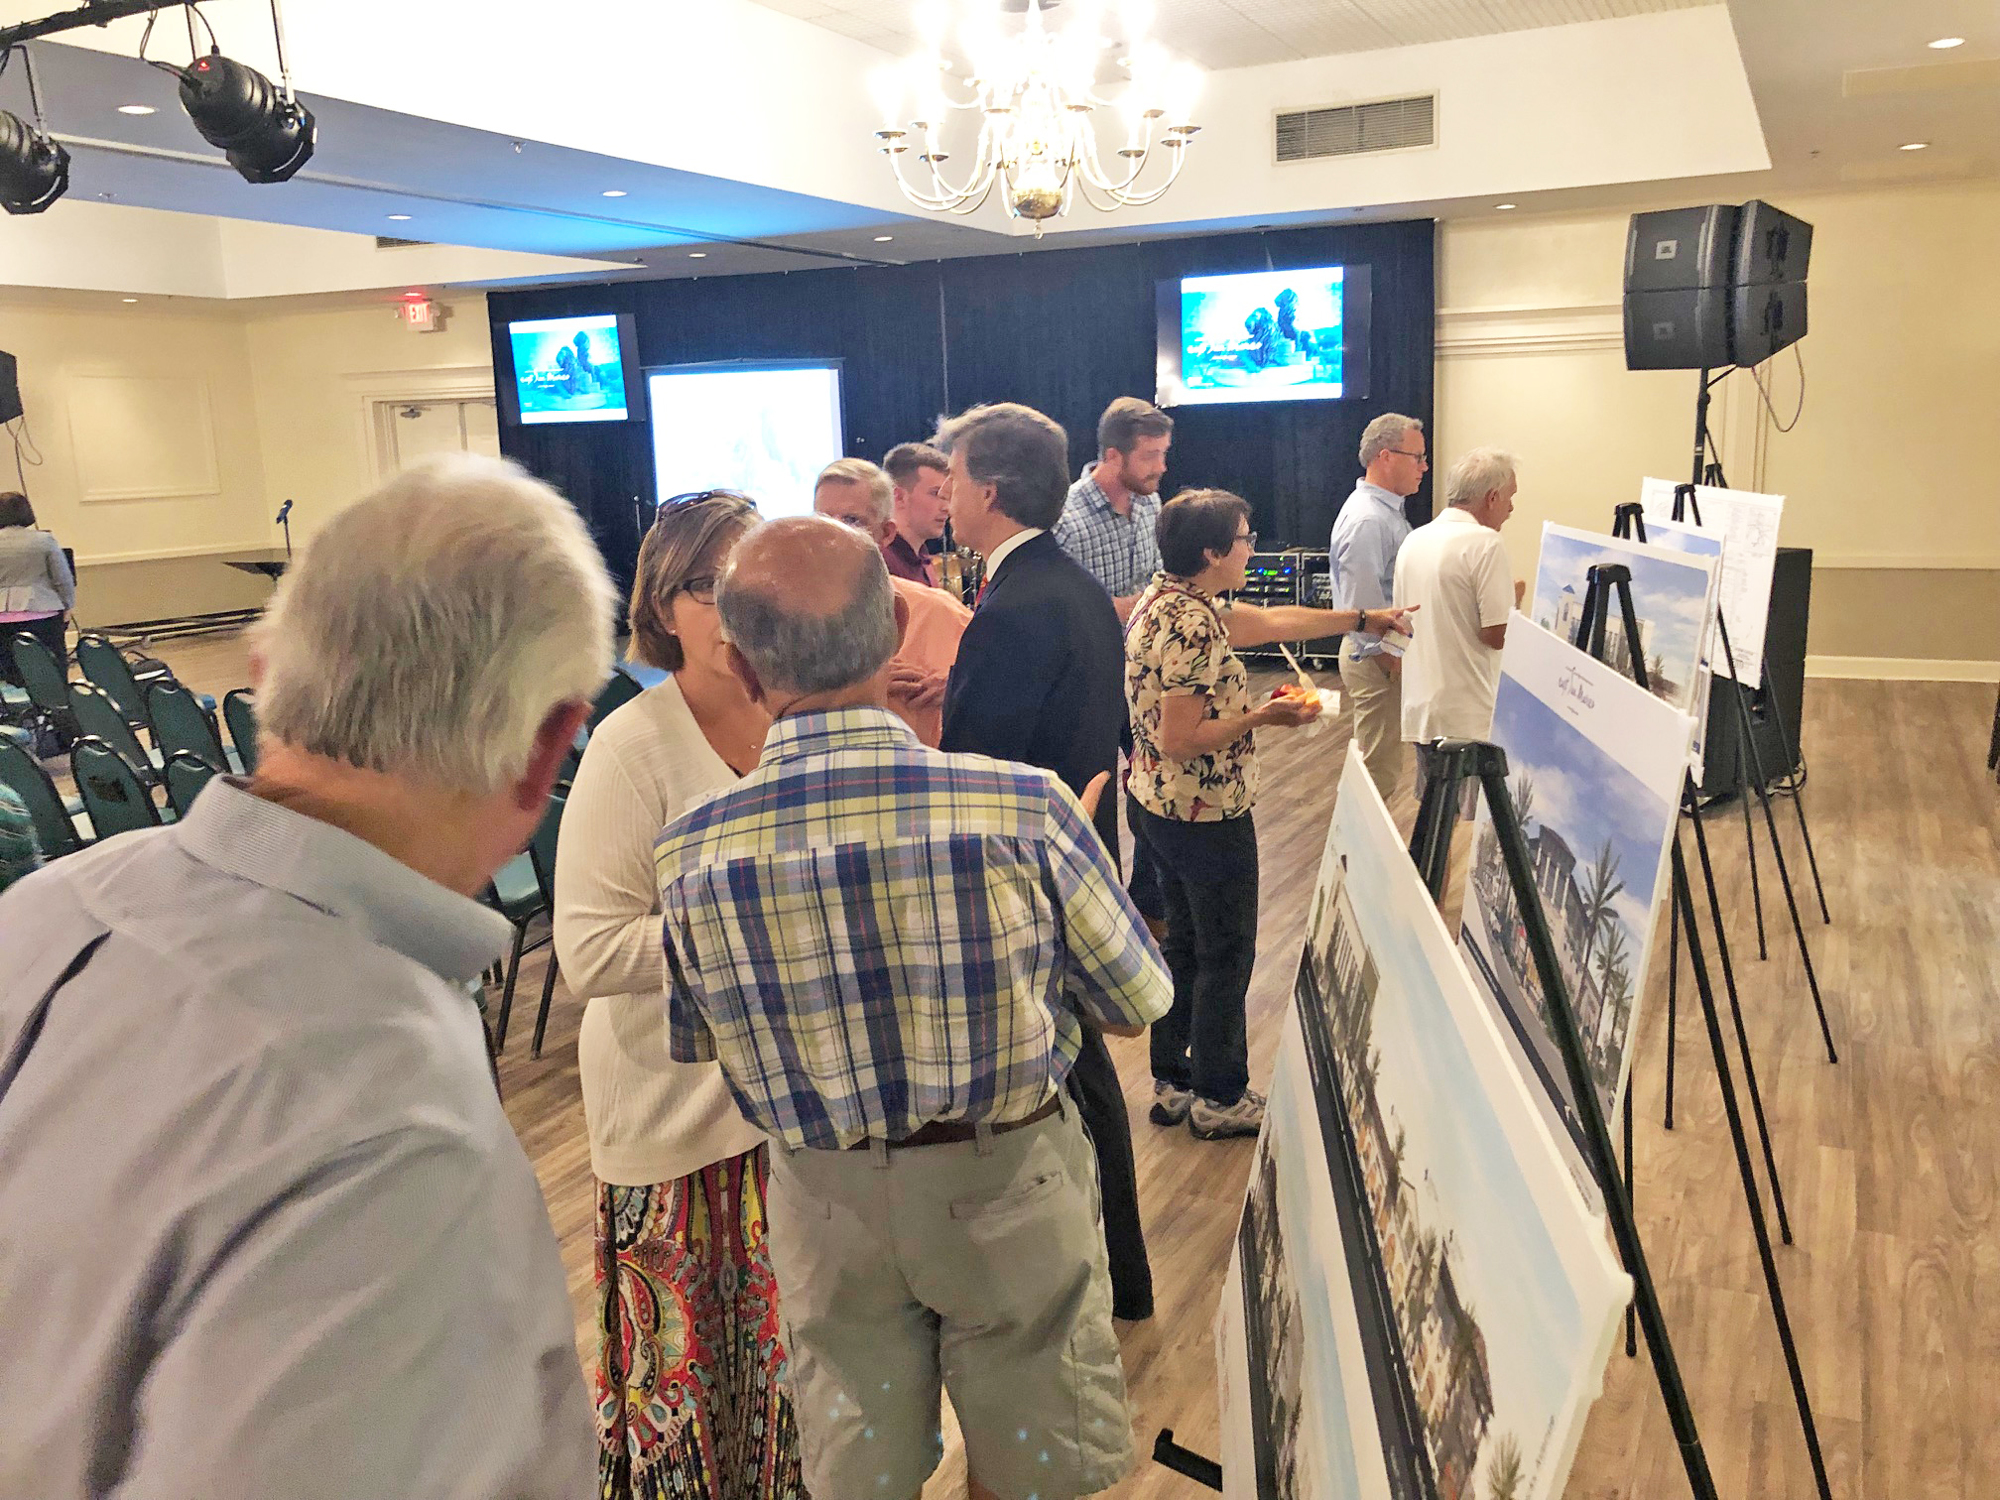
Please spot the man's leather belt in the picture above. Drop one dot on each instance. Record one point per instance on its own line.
(954, 1132)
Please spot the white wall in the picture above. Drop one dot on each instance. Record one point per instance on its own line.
(1889, 473)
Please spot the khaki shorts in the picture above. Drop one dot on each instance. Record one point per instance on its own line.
(977, 1268)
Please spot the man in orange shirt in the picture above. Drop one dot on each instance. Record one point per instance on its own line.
(856, 493)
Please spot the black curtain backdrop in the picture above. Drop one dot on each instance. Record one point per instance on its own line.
(1063, 330)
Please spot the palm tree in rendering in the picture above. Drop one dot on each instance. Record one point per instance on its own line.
(1504, 1473)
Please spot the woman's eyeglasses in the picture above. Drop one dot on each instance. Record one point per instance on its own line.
(700, 588)
(698, 497)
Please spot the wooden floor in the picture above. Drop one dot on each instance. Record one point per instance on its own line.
(1890, 1160)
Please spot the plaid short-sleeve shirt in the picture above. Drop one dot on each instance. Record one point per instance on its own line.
(1178, 644)
(870, 935)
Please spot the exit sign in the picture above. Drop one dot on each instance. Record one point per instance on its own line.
(420, 314)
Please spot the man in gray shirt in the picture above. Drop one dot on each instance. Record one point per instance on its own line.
(264, 1229)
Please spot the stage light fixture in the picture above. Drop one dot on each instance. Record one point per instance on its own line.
(34, 170)
(266, 134)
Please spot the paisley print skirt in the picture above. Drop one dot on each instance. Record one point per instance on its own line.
(691, 1395)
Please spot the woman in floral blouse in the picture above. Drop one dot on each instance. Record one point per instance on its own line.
(1194, 778)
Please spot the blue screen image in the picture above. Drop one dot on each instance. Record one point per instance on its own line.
(569, 369)
(1263, 335)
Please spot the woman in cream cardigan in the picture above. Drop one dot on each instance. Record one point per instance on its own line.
(690, 1393)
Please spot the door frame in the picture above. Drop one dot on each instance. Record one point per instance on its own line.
(377, 394)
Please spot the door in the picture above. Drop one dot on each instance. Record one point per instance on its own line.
(419, 429)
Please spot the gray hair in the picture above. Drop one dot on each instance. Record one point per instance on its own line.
(429, 630)
(881, 489)
(1478, 474)
(1384, 433)
(1023, 454)
(793, 648)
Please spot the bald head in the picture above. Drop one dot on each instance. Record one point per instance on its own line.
(808, 603)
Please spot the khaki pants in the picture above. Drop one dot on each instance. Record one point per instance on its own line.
(976, 1267)
(1377, 696)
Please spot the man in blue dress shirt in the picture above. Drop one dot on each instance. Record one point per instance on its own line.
(1367, 533)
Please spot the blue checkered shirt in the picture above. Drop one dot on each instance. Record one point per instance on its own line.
(1121, 552)
(869, 935)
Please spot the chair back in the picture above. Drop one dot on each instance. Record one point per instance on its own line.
(240, 714)
(98, 716)
(41, 674)
(105, 665)
(180, 727)
(24, 774)
(186, 776)
(621, 689)
(542, 847)
(112, 793)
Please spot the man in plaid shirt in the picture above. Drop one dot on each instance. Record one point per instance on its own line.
(1108, 521)
(891, 953)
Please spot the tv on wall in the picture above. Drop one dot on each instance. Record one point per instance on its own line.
(764, 428)
(1299, 335)
(583, 369)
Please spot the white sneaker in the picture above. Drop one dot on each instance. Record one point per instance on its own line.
(1220, 1122)
(1170, 1103)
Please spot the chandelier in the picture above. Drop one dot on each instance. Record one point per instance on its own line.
(1034, 93)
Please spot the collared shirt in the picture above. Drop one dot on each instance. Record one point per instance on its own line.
(1367, 534)
(906, 561)
(264, 1229)
(1456, 570)
(1121, 552)
(1179, 644)
(930, 644)
(1008, 548)
(871, 935)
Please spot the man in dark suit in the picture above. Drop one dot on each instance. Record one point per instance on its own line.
(1040, 678)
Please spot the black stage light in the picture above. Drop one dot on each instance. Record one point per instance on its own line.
(266, 136)
(34, 170)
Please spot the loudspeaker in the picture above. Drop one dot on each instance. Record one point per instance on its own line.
(1680, 248)
(1774, 711)
(10, 389)
(1763, 320)
(1677, 330)
(1771, 246)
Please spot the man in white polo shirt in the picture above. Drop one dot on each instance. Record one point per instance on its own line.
(1455, 568)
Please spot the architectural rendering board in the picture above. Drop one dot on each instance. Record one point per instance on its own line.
(1419, 1304)
(1595, 765)
(1749, 525)
(1696, 541)
(1673, 596)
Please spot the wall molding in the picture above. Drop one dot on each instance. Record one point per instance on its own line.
(1909, 562)
(1584, 327)
(203, 472)
(169, 554)
(1901, 669)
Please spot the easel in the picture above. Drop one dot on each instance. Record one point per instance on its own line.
(1629, 522)
(1431, 849)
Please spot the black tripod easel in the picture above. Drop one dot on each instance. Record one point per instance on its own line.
(1606, 583)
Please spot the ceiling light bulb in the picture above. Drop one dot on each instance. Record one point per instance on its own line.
(614, 192)
(1946, 43)
(131, 299)
(886, 85)
(147, 109)
(1506, 205)
(1913, 146)
(697, 255)
(883, 239)
(399, 218)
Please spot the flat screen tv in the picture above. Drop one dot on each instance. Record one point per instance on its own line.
(1299, 335)
(581, 369)
(764, 428)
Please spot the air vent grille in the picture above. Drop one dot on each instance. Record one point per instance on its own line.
(390, 242)
(1352, 129)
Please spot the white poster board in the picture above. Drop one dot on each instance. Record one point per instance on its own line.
(1749, 525)
(1595, 765)
(1419, 1301)
(1697, 541)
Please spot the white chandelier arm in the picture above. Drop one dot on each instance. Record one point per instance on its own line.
(1125, 198)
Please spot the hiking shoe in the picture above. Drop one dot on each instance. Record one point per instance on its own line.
(1219, 1122)
(1170, 1103)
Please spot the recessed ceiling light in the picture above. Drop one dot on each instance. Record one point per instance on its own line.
(883, 239)
(697, 255)
(614, 192)
(400, 218)
(147, 109)
(1946, 43)
(131, 299)
(1506, 205)
(1913, 146)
